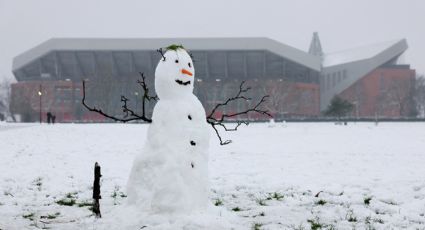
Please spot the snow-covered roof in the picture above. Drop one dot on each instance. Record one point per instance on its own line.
(76, 44)
(360, 53)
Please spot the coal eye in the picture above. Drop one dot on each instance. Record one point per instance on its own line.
(189, 64)
(177, 61)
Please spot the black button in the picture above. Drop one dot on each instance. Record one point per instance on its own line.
(190, 117)
(192, 143)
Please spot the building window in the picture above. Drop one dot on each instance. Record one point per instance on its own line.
(344, 74)
(328, 81)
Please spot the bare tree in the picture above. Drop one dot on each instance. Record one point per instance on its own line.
(277, 96)
(399, 94)
(419, 95)
(5, 90)
(286, 98)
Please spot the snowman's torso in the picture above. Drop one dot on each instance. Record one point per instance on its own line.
(180, 123)
(171, 174)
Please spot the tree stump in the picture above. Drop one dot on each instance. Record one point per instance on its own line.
(96, 191)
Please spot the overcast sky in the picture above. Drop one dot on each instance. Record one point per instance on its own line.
(341, 24)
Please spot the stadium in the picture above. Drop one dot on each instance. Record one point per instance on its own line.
(300, 84)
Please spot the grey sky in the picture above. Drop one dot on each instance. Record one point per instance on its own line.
(341, 24)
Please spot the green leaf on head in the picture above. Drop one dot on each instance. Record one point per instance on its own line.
(175, 47)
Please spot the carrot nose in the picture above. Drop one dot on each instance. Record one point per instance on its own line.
(185, 71)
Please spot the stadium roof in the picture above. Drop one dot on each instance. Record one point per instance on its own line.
(364, 52)
(76, 44)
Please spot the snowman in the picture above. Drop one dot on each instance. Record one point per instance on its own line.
(170, 175)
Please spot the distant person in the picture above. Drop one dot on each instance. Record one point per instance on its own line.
(53, 119)
(49, 117)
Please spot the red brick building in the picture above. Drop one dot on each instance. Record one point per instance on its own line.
(371, 77)
(385, 92)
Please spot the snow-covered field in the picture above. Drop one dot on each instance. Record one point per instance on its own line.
(290, 176)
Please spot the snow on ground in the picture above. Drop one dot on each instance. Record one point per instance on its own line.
(289, 176)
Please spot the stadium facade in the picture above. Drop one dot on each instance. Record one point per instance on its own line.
(300, 84)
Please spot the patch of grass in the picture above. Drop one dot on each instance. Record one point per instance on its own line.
(7, 193)
(218, 202)
(350, 216)
(390, 202)
(378, 212)
(277, 196)
(368, 222)
(116, 194)
(38, 182)
(320, 202)
(299, 227)
(257, 226)
(378, 220)
(368, 219)
(66, 201)
(259, 214)
(51, 216)
(261, 202)
(367, 200)
(315, 224)
(29, 216)
(85, 204)
(236, 209)
(352, 219)
(71, 195)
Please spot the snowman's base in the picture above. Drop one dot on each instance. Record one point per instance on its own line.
(128, 217)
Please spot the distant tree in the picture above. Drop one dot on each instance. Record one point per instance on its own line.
(279, 102)
(338, 108)
(400, 95)
(5, 96)
(419, 95)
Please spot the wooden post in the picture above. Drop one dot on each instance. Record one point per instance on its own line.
(96, 191)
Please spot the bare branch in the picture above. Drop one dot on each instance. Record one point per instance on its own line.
(146, 96)
(219, 137)
(129, 114)
(161, 52)
(191, 56)
(237, 97)
(214, 122)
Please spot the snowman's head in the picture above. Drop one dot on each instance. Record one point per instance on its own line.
(174, 74)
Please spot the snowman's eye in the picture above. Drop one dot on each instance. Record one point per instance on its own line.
(189, 64)
(177, 61)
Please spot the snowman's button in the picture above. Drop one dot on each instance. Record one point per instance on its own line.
(193, 165)
(189, 117)
(192, 143)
